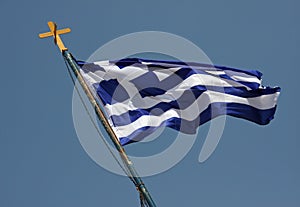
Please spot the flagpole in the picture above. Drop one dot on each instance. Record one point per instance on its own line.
(75, 68)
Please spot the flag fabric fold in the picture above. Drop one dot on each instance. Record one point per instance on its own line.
(141, 95)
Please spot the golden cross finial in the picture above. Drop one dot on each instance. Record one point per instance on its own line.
(55, 33)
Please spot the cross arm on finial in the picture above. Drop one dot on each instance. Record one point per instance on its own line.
(55, 33)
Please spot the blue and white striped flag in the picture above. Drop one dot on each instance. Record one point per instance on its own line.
(141, 95)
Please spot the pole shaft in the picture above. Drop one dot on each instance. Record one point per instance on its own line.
(140, 185)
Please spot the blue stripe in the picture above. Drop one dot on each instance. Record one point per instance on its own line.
(151, 91)
(89, 67)
(247, 112)
(110, 91)
(184, 101)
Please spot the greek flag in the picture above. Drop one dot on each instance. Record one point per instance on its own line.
(140, 95)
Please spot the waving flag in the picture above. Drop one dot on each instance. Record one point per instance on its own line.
(141, 95)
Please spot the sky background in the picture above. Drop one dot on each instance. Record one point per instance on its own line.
(41, 160)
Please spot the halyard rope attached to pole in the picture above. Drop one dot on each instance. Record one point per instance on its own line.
(129, 175)
(94, 123)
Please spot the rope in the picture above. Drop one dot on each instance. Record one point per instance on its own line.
(143, 202)
(96, 127)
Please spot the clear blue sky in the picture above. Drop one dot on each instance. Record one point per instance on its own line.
(42, 161)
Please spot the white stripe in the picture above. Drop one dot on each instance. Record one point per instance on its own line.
(193, 111)
(215, 72)
(246, 79)
(165, 73)
(242, 76)
(237, 76)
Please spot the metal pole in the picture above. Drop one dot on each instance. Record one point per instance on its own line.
(139, 183)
